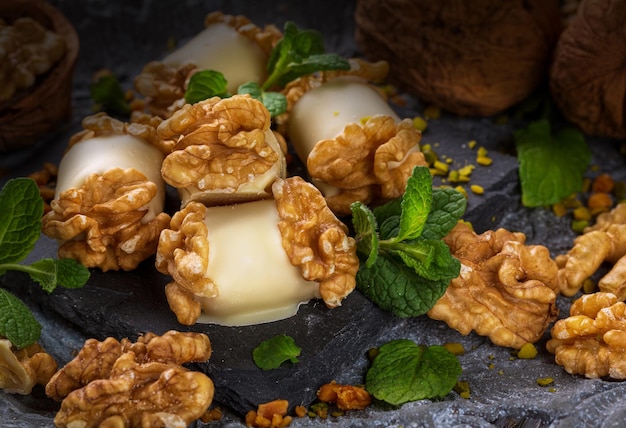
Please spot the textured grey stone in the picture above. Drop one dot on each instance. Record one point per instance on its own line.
(334, 343)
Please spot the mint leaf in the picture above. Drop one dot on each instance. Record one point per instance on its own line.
(298, 53)
(416, 204)
(71, 274)
(108, 95)
(365, 227)
(437, 265)
(388, 218)
(271, 353)
(206, 84)
(551, 165)
(21, 208)
(51, 272)
(448, 206)
(17, 322)
(404, 371)
(396, 287)
(274, 102)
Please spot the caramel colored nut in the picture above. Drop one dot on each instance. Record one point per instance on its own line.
(592, 340)
(22, 369)
(347, 397)
(604, 242)
(506, 289)
(126, 383)
(223, 151)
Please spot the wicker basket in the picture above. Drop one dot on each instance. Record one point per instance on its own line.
(28, 117)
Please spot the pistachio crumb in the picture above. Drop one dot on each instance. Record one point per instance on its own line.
(475, 188)
(545, 381)
(527, 351)
(455, 348)
(420, 123)
(472, 144)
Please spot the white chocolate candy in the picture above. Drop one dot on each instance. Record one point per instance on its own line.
(222, 48)
(323, 112)
(100, 154)
(248, 263)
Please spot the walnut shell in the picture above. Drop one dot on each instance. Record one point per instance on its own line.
(468, 57)
(588, 74)
(33, 112)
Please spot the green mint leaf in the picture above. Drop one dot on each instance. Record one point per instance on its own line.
(404, 371)
(17, 322)
(551, 165)
(448, 206)
(364, 224)
(388, 218)
(49, 273)
(21, 208)
(416, 203)
(206, 84)
(108, 95)
(431, 259)
(71, 274)
(271, 353)
(274, 102)
(298, 53)
(396, 287)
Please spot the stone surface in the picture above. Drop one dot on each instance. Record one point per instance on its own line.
(334, 342)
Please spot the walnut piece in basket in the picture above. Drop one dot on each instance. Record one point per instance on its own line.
(22, 369)
(294, 247)
(232, 45)
(604, 242)
(353, 150)
(506, 290)
(38, 52)
(109, 199)
(592, 340)
(223, 151)
(134, 384)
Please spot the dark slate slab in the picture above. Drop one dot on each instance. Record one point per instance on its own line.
(122, 37)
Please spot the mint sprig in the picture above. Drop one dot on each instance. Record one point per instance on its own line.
(406, 267)
(298, 53)
(21, 208)
(551, 164)
(273, 352)
(404, 371)
(108, 96)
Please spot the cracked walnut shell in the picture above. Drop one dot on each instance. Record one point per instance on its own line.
(134, 384)
(22, 369)
(223, 151)
(108, 205)
(506, 289)
(592, 340)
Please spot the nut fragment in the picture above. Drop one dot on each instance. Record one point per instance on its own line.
(134, 384)
(108, 206)
(22, 369)
(592, 340)
(223, 151)
(347, 397)
(506, 289)
(604, 242)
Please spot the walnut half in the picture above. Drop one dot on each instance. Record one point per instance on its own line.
(592, 340)
(506, 289)
(22, 369)
(114, 383)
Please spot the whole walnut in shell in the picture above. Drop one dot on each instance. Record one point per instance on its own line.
(468, 57)
(589, 69)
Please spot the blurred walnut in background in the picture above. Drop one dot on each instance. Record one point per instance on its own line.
(470, 57)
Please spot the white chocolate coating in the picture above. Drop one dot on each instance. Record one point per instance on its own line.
(323, 112)
(248, 263)
(220, 47)
(100, 154)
